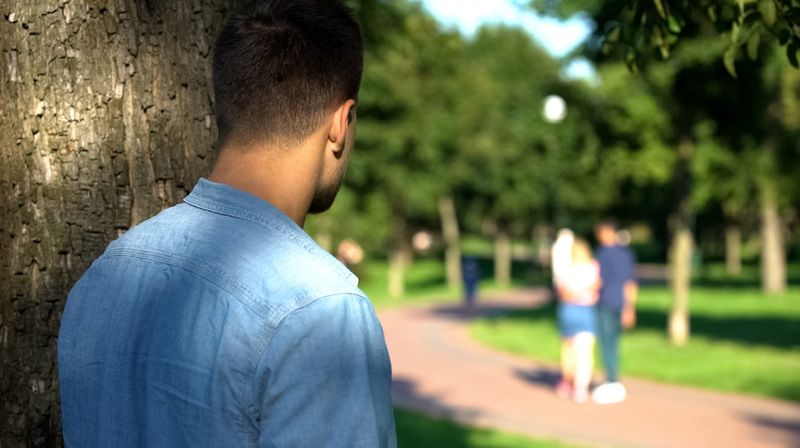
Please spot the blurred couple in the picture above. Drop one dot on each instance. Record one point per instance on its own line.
(597, 298)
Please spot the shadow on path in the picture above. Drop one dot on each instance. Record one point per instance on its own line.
(408, 396)
(540, 376)
(442, 372)
(789, 428)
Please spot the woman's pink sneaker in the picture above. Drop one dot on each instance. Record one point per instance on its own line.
(563, 390)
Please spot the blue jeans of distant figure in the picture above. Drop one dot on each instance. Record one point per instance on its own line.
(608, 330)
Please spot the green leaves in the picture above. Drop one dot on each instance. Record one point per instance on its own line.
(752, 45)
(729, 59)
(791, 53)
(637, 30)
(662, 11)
(769, 12)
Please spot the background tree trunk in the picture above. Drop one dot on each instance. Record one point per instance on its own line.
(105, 119)
(452, 249)
(733, 250)
(680, 280)
(399, 257)
(680, 253)
(773, 257)
(502, 258)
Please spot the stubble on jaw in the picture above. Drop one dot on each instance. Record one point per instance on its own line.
(325, 196)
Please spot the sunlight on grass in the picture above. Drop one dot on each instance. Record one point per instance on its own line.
(425, 283)
(415, 430)
(741, 341)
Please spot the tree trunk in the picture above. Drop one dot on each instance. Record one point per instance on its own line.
(773, 257)
(680, 253)
(399, 257)
(398, 260)
(452, 250)
(105, 119)
(733, 250)
(680, 278)
(502, 258)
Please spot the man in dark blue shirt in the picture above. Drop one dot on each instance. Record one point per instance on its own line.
(616, 307)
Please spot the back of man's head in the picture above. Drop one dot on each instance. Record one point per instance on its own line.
(280, 66)
(606, 232)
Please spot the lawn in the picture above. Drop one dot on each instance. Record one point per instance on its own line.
(415, 430)
(741, 341)
(426, 281)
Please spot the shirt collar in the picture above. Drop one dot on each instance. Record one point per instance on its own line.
(226, 200)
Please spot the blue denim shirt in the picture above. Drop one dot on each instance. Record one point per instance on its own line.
(220, 323)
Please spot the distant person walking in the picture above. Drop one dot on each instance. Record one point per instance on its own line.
(471, 273)
(616, 307)
(578, 293)
(561, 254)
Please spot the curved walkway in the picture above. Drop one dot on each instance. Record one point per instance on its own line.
(441, 371)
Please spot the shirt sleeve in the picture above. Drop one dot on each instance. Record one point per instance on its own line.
(325, 379)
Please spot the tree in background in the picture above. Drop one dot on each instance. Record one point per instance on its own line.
(633, 30)
(406, 132)
(703, 104)
(501, 135)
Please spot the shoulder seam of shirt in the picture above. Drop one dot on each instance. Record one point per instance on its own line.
(265, 349)
(248, 216)
(212, 275)
(240, 213)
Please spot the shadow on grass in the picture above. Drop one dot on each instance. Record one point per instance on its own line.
(779, 332)
(424, 421)
(772, 331)
(735, 282)
(416, 430)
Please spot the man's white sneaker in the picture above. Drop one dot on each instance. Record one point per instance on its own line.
(609, 393)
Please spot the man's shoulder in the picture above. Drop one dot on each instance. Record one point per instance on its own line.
(262, 264)
(616, 250)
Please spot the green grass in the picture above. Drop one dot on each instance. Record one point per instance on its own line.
(425, 282)
(713, 275)
(741, 341)
(418, 431)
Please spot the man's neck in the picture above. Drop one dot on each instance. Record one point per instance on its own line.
(279, 177)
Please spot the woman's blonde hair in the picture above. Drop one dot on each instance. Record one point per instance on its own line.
(581, 252)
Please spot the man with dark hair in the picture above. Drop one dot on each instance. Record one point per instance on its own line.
(219, 322)
(616, 307)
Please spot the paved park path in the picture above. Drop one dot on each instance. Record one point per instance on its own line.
(441, 371)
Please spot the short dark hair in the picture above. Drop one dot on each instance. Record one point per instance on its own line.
(610, 223)
(281, 65)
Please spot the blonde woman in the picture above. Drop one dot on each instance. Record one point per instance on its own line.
(578, 292)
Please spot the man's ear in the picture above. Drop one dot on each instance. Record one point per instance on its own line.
(342, 117)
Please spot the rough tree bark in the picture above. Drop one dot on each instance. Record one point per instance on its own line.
(452, 249)
(105, 119)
